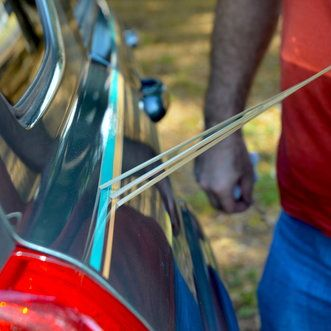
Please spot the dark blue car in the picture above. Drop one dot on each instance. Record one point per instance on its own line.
(79, 252)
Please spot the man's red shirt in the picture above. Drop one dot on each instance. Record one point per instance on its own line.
(304, 153)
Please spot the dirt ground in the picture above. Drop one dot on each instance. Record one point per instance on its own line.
(174, 46)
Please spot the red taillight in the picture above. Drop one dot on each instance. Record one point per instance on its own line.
(38, 290)
(23, 312)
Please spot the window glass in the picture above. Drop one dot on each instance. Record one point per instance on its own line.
(21, 47)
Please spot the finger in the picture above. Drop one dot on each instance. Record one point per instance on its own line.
(220, 202)
(240, 206)
(213, 199)
(227, 203)
(247, 184)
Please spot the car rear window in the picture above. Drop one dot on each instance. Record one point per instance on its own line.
(21, 47)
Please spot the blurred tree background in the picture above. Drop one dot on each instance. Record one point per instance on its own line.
(174, 46)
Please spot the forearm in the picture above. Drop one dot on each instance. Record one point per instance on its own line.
(242, 31)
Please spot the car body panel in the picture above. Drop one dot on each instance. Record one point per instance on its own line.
(92, 131)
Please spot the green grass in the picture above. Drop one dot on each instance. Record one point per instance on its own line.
(241, 283)
(266, 191)
(199, 201)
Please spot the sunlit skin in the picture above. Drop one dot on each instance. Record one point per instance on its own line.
(241, 34)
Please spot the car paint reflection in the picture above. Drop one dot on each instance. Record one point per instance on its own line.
(51, 175)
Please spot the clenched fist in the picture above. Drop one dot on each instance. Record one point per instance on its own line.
(225, 170)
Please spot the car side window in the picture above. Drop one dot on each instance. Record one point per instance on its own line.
(21, 47)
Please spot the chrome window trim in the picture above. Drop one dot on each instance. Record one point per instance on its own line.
(42, 90)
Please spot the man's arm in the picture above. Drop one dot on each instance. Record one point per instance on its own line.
(241, 34)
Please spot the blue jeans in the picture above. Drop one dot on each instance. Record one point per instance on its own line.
(295, 289)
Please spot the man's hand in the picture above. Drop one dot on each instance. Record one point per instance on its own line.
(222, 170)
(241, 34)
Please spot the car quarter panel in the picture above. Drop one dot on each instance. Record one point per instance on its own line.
(92, 131)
